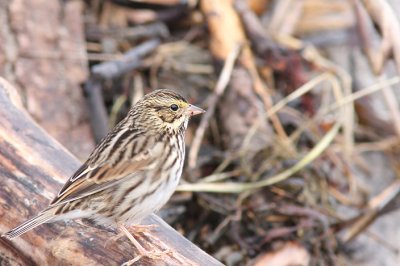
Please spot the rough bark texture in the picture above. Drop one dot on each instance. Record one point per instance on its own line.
(43, 53)
(32, 168)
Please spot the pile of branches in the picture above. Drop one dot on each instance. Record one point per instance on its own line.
(296, 92)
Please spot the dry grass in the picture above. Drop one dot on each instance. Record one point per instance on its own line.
(279, 157)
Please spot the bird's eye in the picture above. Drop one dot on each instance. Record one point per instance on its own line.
(174, 107)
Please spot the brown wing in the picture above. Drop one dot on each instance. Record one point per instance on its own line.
(96, 176)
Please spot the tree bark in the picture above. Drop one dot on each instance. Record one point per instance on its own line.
(42, 51)
(32, 167)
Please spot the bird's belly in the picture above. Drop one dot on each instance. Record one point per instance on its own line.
(149, 198)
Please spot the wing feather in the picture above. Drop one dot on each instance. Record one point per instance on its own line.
(95, 176)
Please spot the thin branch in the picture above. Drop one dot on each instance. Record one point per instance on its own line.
(219, 90)
(237, 187)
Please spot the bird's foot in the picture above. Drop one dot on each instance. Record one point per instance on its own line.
(133, 230)
(155, 255)
(142, 228)
(165, 254)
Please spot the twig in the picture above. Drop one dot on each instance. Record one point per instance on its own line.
(361, 93)
(220, 176)
(152, 4)
(345, 100)
(393, 106)
(219, 90)
(144, 16)
(384, 242)
(226, 30)
(285, 16)
(312, 83)
(151, 30)
(103, 57)
(98, 113)
(138, 88)
(381, 145)
(375, 205)
(261, 41)
(311, 54)
(130, 61)
(237, 187)
(384, 16)
(115, 109)
(274, 109)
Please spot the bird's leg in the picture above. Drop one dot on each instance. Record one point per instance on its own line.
(145, 229)
(133, 230)
(142, 251)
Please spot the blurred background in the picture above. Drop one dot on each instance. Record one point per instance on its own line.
(296, 161)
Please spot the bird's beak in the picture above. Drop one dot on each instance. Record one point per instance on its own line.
(194, 110)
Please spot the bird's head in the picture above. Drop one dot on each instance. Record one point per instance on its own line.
(165, 110)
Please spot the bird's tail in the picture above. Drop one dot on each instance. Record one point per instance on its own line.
(28, 225)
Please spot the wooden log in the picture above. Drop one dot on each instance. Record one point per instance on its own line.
(32, 167)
